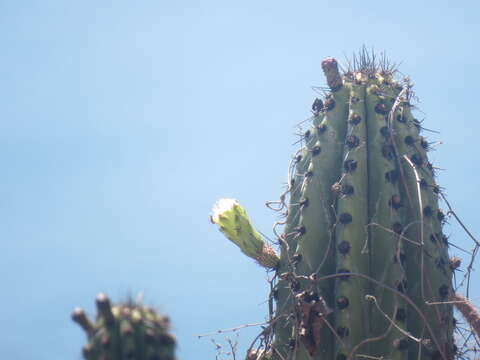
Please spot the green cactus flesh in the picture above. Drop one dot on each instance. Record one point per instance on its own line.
(364, 201)
(364, 270)
(125, 332)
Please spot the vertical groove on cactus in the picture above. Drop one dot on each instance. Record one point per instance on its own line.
(351, 236)
(315, 241)
(125, 332)
(387, 216)
(428, 273)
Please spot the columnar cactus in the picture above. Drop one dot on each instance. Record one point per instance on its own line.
(125, 332)
(364, 270)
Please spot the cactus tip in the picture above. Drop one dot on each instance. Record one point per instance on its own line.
(330, 69)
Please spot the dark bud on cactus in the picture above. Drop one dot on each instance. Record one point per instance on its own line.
(409, 140)
(388, 152)
(385, 132)
(395, 202)
(350, 165)
(344, 247)
(443, 291)
(347, 189)
(129, 330)
(303, 202)
(427, 211)
(316, 150)
(397, 227)
(417, 159)
(342, 302)
(342, 332)
(391, 176)
(317, 106)
(329, 104)
(381, 109)
(345, 218)
(300, 230)
(355, 119)
(424, 143)
(352, 141)
(321, 129)
(343, 271)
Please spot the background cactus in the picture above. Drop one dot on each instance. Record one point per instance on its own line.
(125, 331)
(364, 269)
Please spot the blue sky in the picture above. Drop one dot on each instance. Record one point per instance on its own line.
(123, 122)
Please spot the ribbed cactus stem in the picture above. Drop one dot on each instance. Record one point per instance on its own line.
(124, 332)
(429, 252)
(387, 220)
(364, 270)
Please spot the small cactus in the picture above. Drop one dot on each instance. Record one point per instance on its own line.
(125, 332)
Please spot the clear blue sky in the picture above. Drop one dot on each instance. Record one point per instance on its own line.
(122, 122)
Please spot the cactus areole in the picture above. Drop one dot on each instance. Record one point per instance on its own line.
(363, 271)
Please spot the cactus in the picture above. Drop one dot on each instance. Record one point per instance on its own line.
(364, 271)
(125, 331)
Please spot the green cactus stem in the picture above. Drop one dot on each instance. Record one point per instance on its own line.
(364, 271)
(125, 332)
